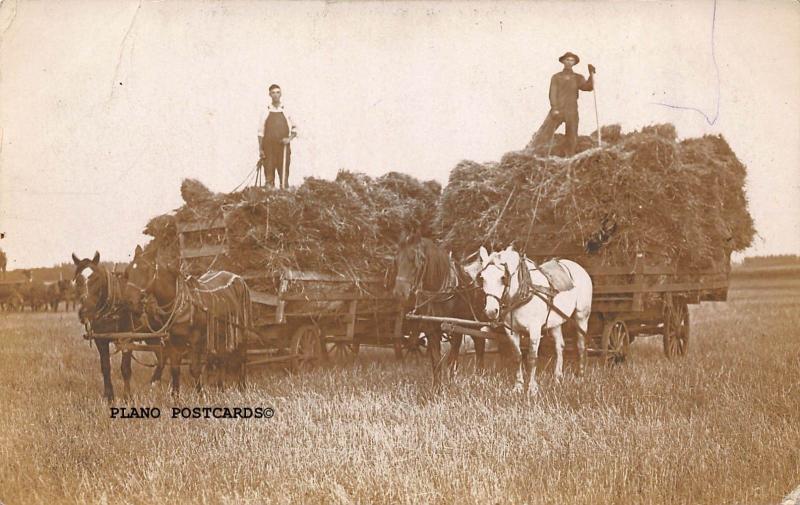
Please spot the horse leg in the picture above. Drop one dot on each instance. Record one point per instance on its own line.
(583, 327)
(126, 373)
(105, 368)
(175, 355)
(435, 350)
(534, 338)
(518, 362)
(241, 370)
(196, 365)
(480, 350)
(558, 340)
(452, 355)
(158, 370)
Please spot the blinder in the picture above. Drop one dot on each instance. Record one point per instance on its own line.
(502, 300)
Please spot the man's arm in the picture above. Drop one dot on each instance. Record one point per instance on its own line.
(553, 93)
(261, 138)
(587, 85)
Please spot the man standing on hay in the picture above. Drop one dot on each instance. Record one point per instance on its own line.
(564, 88)
(276, 132)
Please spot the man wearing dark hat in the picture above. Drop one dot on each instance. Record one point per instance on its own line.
(564, 88)
(276, 131)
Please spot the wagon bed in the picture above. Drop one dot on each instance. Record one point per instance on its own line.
(299, 317)
(647, 296)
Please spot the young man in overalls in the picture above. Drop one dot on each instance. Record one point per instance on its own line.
(275, 136)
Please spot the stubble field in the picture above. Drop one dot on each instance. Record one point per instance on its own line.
(720, 426)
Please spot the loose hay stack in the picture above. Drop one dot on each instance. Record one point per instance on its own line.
(349, 226)
(642, 192)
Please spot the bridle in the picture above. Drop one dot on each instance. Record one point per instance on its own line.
(503, 298)
(418, 276)
(526, 290)
(423, 297)
(170, 309)
(110, 295)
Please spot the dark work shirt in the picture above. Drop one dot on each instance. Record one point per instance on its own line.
(564, 88)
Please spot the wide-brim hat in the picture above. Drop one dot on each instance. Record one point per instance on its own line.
(567, 55)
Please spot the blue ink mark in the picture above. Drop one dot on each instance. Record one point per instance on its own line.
(710, 121)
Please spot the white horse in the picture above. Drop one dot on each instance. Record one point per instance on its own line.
(501, 278)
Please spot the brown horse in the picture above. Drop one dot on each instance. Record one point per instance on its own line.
(431, 283)
(204, 318)
(72, 291)
(103, 310)
(33, 291)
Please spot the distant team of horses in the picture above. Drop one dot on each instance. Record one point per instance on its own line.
(36, 295)
(502, 287)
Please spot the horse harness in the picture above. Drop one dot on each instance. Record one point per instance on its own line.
(111, 306)
(451, 287)
(525, 292)
(190, 298)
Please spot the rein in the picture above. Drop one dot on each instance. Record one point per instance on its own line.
(526, 290)
(449, 288)
(113, 301)
(169, 309)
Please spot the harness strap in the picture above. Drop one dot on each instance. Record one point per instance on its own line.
(446, 292)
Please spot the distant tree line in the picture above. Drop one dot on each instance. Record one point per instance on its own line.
(771, 260)
(54, 273)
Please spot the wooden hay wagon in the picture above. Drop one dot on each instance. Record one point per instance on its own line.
(300, 317)
(648, 296)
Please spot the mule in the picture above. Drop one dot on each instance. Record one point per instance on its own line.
(204, 318)
(518, 296)
(103, 310)
(431, 283)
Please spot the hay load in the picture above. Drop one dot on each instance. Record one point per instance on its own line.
(348, 226)
(642, 192)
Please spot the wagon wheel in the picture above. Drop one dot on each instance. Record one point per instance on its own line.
(410, 347)
(615, 342)
(341, 352)
(305, 348)
(676, 330)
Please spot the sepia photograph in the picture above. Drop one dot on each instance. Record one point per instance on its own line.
(403, 252)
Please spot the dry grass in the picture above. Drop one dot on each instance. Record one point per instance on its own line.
(720, 426)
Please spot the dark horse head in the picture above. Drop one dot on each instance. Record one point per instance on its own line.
(140, 274)
(421, 265)
(97, 292)
(104, 294)
(151, 282)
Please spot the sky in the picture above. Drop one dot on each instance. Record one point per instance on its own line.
(106, 106)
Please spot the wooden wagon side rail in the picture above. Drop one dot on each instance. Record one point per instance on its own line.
(660, 287)
(190, 226)
(124, 336)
